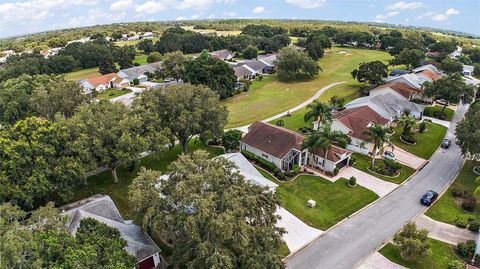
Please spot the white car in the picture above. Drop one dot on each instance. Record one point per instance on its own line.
(389, 155)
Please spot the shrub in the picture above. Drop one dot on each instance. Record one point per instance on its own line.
(458, 193)
(467, 249)
(276, 171)
(269, 165)
(477, 181)
(231, 139)
(456, 264)
(461, 223)
(136, 81)
(409, 138)
(422, 127)
(352, 161)
(439, 115)
(296, 169)
(392, 166)
(352, 181)
(280, 122)
(335, 171)
(248, 155)
(281, 175)
(469, 202)
(474, 225)
(463, 220)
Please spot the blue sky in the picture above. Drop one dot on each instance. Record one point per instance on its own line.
(28, 16)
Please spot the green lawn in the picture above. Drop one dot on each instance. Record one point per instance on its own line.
(268, 99)
(427, 142)
(102, 183)
(335, 200)
(296, 119)
(430, 109)
(440, 256)
(362, 162)
(132, 42)
(446, 208)
(141, 59)
(83, 73)
(111, 93)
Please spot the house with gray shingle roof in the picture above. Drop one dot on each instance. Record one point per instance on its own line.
(103, 209)
(139, 72)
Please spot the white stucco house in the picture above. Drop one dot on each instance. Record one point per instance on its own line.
(102, 83)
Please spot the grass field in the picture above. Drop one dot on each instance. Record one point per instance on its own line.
(111, 93)
(272, 96)
(362, 162)
(446, 209)
(335, 200)
(430, 109)
(132, 42)
(427, 142)
(440, 256)
(220, 33)
(84, 73)
(102, 183)
(141, 59)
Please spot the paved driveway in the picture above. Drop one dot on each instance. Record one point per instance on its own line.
(443, 231)
(378, 261)
(347, 244)
(378, 186)
(298, 233)
(408, 158)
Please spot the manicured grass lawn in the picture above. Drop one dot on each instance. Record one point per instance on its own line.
(111, 93)
(84, 73)
(141, 59)
(430, 109)
(427, 142)
(132, 42)
(440, 256)
(362, 162)
(274, 97)
(284, 251)
(296, 119)
(102, 183)
(446, 208)
(335, 200)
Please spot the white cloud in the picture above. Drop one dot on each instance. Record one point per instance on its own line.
(181, 18)
(388, 15)
(452, 11)
(150, 7)
(439, 17)
(121, 5)
(402, 5)
(307, 3)
(258, 10)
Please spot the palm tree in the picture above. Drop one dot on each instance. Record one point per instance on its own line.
(380, 136)
(318, 111)
(324, 139)
(408, 122)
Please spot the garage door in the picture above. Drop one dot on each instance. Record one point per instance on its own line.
(147, 263)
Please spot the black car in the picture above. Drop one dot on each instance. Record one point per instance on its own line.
(428, 198)
(446, 143)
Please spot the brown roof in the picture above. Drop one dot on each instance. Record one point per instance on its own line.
(400, 88)
(358, 119)
(102, 80)
(271, 139)
(333, 154)
(431, 74)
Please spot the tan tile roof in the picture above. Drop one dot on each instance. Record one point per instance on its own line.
(273, 140)
(102, 80)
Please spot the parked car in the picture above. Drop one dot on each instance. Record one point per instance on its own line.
(446, 143)
(428, 198)
(389, 155)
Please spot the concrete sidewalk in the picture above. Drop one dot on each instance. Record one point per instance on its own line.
(444, 232)
(378, 261)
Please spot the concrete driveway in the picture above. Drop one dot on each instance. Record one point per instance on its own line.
(298, 233)
(437, 121)
(346, 245)
(378, 261)
(408, 158)
(378, 186)
(443, 231)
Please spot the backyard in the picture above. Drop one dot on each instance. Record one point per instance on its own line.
(83, 73)
(102, 182)
(335, 200)
(270, 96)
(441, 254)
(427, 142)
(363, 162)
(430, 110)
(447, 208)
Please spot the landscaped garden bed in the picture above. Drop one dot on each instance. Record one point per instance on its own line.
(426, 143)
(363, 162)
(458, 206)
(271, 168)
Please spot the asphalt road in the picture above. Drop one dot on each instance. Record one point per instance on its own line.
(347, 244)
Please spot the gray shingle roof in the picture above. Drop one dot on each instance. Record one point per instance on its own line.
(103, 209)
(136, 71)
(256, 65)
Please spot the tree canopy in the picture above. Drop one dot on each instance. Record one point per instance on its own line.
(451, 66)
(293, 64)
(409, 57)
(201, 206)
(413, 243)
(451, 89)
(468, 132)
(174, 65)
(371, 72)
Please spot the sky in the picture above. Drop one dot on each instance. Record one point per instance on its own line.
(29, 16)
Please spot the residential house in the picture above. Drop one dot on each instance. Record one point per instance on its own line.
(388, 105)
(247, 170)
(283, 148)
(224, 55)
(103, 209)
(457, 53)
(148, 35)
(104, 82)
(398, 72)
(270, 61)
(398, 89)
(468, 70)
(244, 72)
(139, 72)
(256, 65)
(430, 67)
(410, 79)
(354, 122)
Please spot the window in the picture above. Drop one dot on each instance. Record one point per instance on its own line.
(265, 156)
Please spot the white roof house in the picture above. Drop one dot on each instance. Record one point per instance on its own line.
(410, 79)
(246, 169)
(468, 70)
(430, 67)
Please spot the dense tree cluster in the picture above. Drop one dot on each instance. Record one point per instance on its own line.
(395, 42)
(43, 241)
(293, 64)
(467, 132)
(451, 89)
(360, 39)
(410, 57)
(371, 72)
